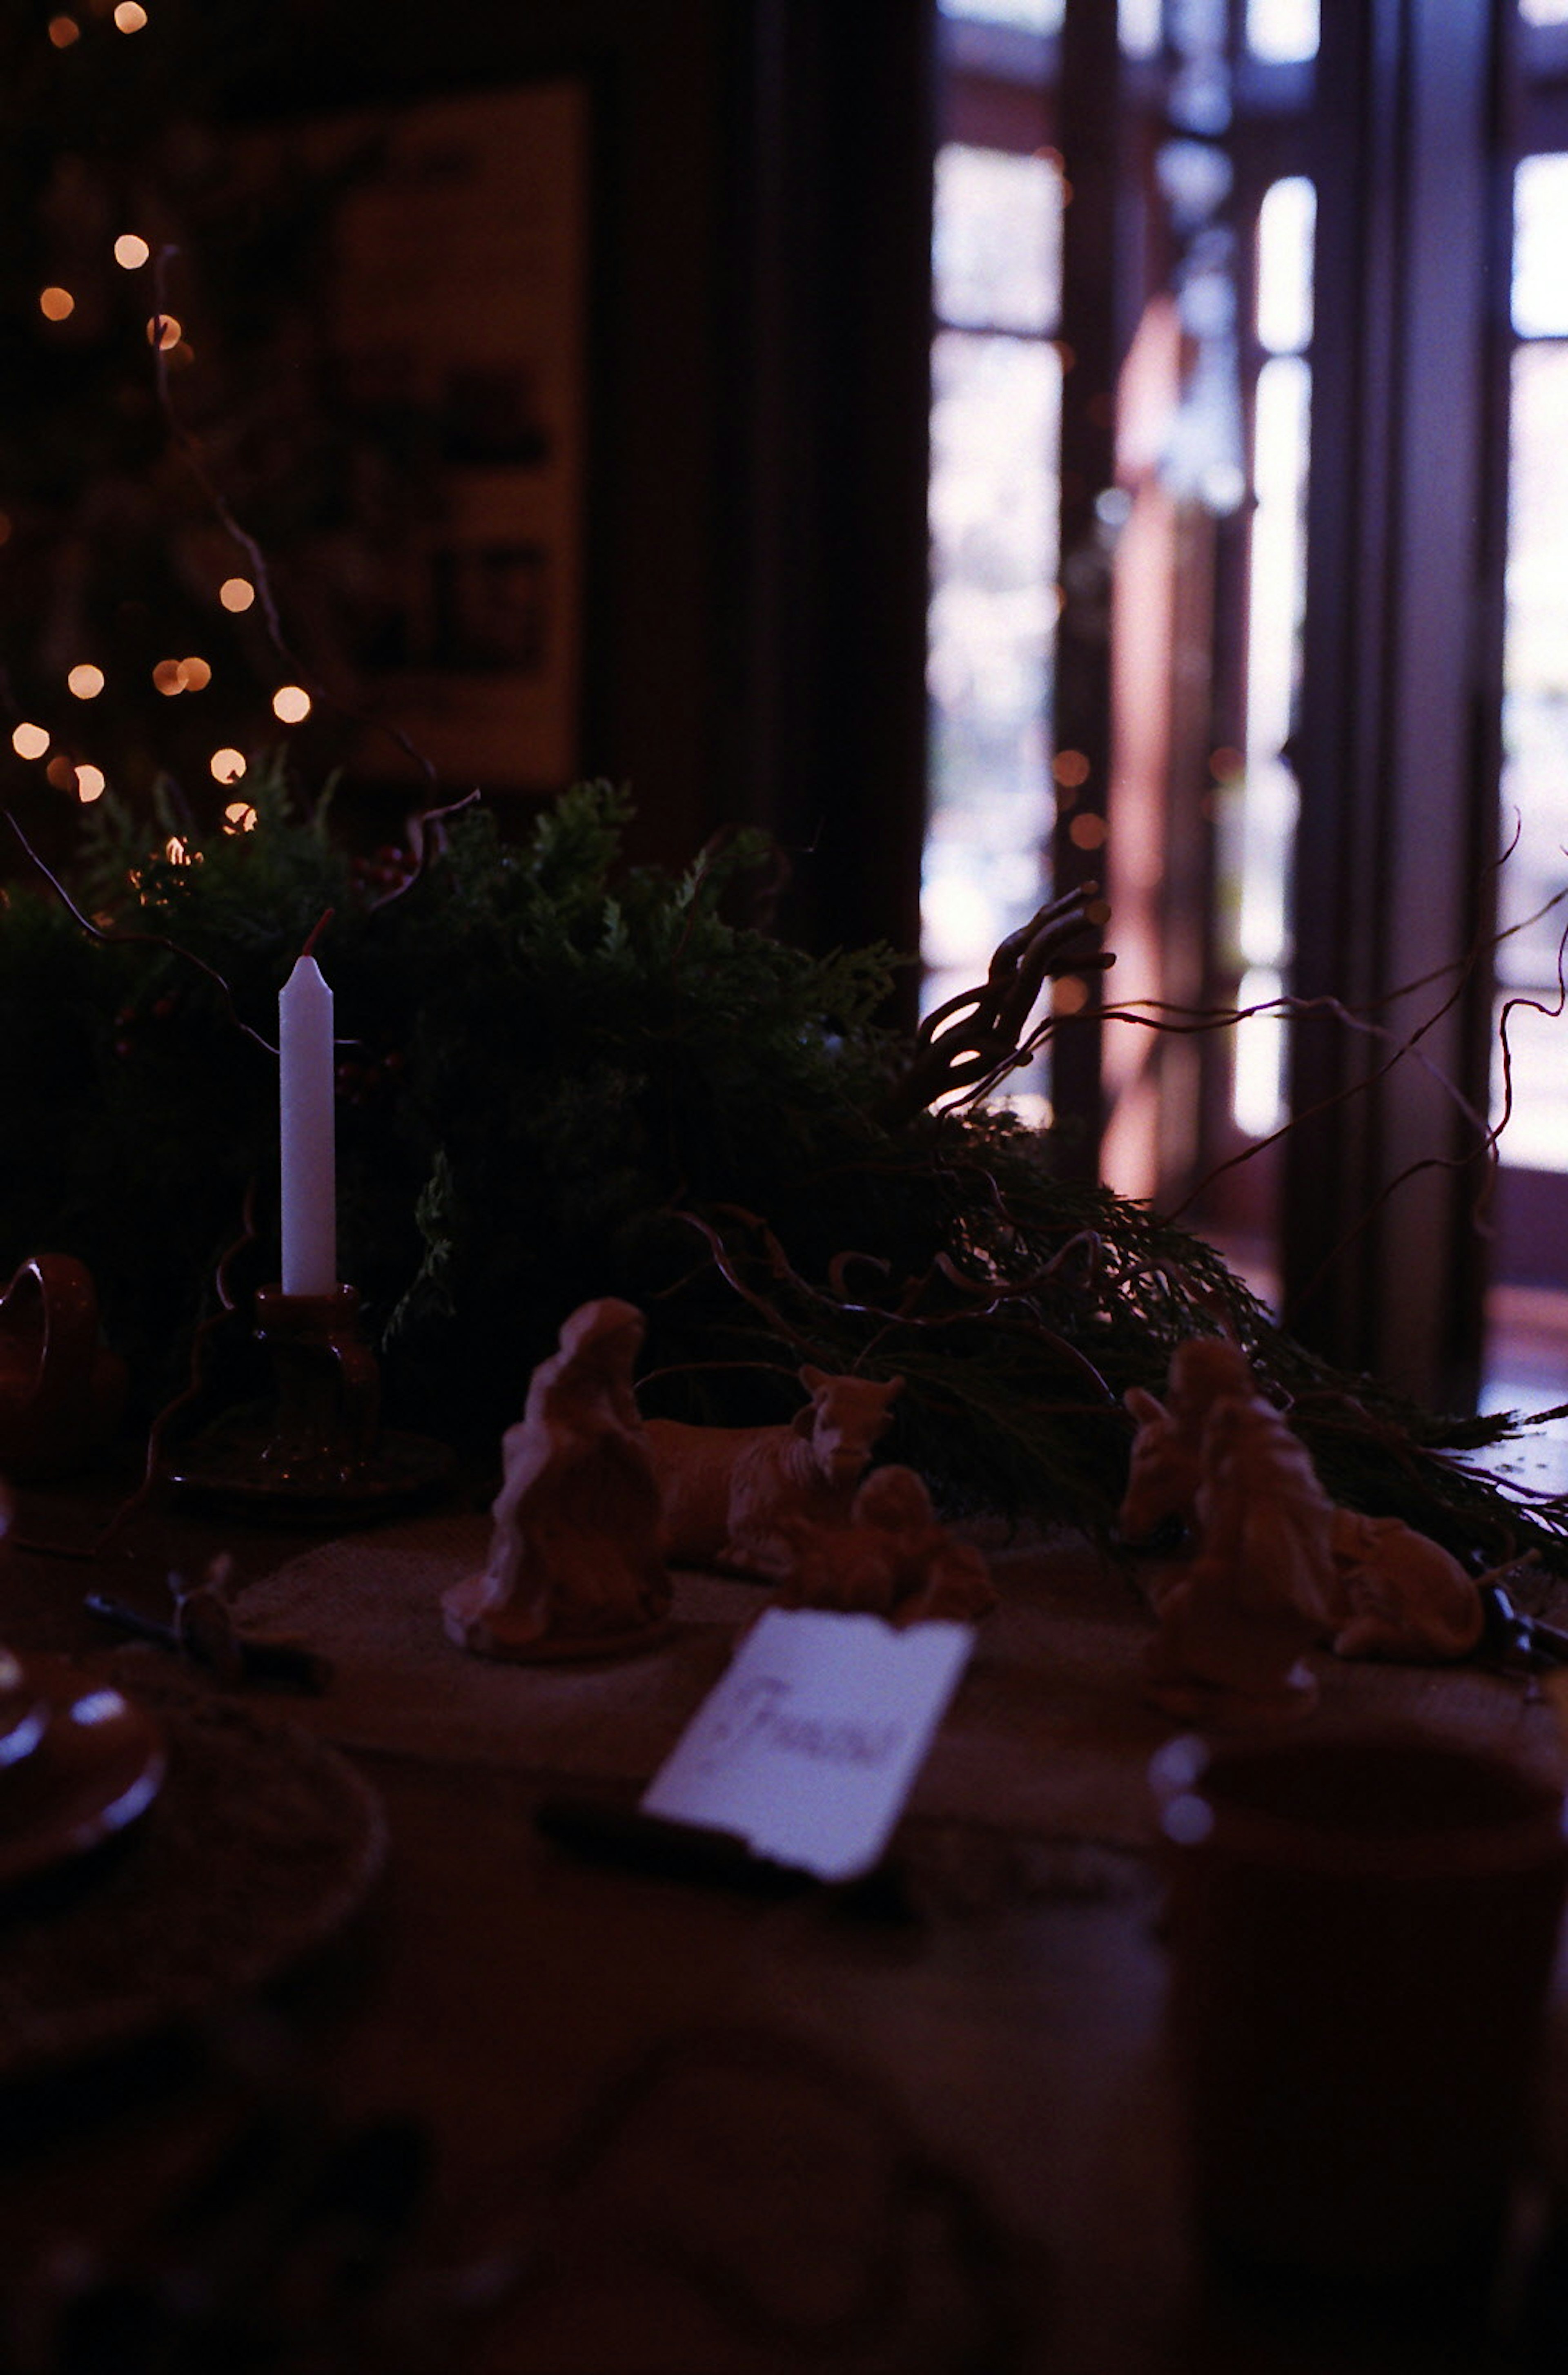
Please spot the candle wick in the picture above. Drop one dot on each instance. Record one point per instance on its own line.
(316, 930)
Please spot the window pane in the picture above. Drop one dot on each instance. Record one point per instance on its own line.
(997, 402)
(1283, 31)
(1258, 817)
(1535, 725)
(1139, 28)
(1285, 223)
(1034, 16)
(996, 258)
(1540, 247)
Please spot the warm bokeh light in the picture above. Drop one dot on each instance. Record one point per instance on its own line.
(56, 305)
(236, 592)
(61, 773)
(30, 741)
(131, 251)
(227, 766)
(90, 784)
(182, 676)
(130, 16)
(291, 703)
(175, 851)
(163, 331)
(1068, 996)
(239, 817)
(85, 681)
(1071, 768)
(64, 31)
(1087, 832)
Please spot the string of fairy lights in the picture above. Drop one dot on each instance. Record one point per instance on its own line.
(56, 750)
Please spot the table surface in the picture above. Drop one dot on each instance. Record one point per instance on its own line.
(672, 2126)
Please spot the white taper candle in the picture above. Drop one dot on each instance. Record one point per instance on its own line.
(306, 1132)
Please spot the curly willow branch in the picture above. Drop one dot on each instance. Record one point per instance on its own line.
(993, 1298)
(118, 939)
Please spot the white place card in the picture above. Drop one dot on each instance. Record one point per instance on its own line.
(809, 1745)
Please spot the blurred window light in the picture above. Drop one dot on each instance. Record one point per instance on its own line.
(1540, 296)
(997, 381)
(1140, 27)
(1283, 32)
(997, 249)
(1535, 755)
(1255, 797)
(1257, 1095)
(1286, 221)
(1028, 15)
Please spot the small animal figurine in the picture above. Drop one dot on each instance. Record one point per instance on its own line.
(1405, 1595)
(893, 1559)
(1261, 1585)
(1167, 1455)
(1396, 1593)
(575, 1563)
(725, 1489)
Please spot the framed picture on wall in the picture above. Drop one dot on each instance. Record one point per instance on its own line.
(444, 326)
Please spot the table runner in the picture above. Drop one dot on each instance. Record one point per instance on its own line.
(1047, 1734)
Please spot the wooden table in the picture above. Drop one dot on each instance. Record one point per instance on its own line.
(672, 2128)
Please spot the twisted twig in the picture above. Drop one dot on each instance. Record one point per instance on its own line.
(974, 1039)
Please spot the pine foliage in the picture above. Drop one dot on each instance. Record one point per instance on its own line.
(559, 1078)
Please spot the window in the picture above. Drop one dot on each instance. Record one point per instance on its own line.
(996, 400)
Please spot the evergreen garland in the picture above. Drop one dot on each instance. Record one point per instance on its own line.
(561, 1078)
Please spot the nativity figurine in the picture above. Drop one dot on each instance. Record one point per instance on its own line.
(892, 1559)
(1260, 1588)
(1391, 1593)
(574, 1564)
(1405, 1596)
(729, 1493)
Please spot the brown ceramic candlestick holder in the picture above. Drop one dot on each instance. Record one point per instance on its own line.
(318, 1451)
